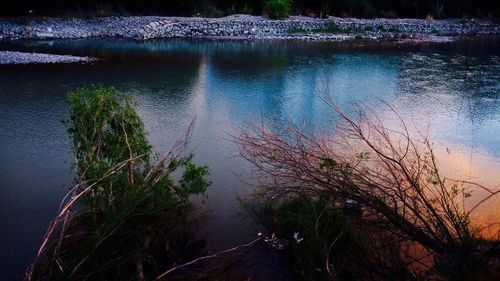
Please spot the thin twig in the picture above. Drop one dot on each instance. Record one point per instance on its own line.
(216, 255)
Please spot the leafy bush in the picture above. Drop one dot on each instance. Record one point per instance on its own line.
(278, 9)
(323, 240)
(209, 10)
(105, 130)
(133, 216)
(319, 236)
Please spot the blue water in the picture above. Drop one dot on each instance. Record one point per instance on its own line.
(453, 88)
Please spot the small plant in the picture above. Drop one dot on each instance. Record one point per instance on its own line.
(368, 28)
(278, 9)
(210, 11)
(320, 239)
(335, 29)
(318, 235)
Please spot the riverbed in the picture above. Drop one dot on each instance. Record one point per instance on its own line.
(453, 89)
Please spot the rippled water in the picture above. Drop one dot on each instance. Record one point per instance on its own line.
(454, 89)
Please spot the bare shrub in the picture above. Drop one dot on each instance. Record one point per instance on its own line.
(392, 172)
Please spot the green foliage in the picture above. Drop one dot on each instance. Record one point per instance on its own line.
(105, 130)
(319, 224)
(194, 178)
(209, 10)
(340, 169)
(278, 9)
(135, 212)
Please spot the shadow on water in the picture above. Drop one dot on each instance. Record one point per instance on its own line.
(454, 87)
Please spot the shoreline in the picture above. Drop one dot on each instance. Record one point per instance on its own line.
(245, 27)
(235, 27)
(23, 58)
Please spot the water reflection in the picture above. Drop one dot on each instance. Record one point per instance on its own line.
(461, 93)
(454, 88)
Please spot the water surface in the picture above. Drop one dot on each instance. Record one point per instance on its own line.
(452, 88)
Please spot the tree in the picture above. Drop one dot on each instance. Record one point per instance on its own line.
(278, 9)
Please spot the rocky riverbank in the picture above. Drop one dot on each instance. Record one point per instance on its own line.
(245, 27)
(7, 57)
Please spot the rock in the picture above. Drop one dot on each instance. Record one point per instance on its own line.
(242, 26)
(44, 35)
(7, 57)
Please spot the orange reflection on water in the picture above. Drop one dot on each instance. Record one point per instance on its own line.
(479, 167)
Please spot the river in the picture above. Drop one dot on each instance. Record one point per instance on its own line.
(453, 89)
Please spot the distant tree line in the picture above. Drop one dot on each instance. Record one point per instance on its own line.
(216, 8)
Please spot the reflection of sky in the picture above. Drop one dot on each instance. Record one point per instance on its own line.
(458, 95)
(297, 90)
(460, 105)
(454, 110)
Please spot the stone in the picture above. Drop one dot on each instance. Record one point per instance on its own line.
(241, 26)
(44, 35)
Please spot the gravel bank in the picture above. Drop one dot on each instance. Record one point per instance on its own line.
(243, 27)
(7, 57)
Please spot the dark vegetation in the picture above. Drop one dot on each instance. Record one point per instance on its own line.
(127, 217)
(365, 203)
(278, 9)
(215, 8)
(368, 201)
